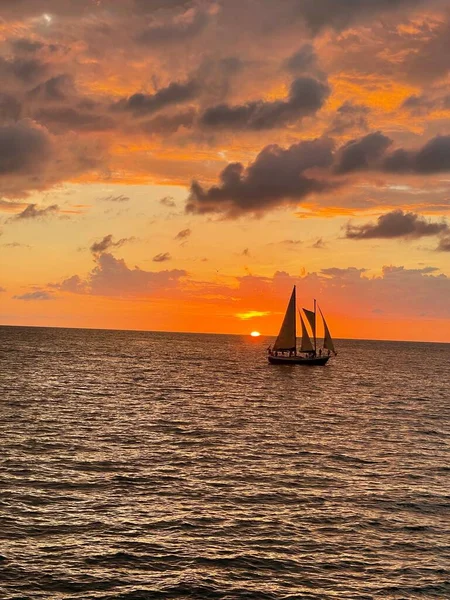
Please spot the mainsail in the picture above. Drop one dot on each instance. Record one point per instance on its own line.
(311, 316)
(327, 340)
(306, 340)
(287, 338)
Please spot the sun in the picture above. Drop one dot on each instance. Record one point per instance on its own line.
(255, 334)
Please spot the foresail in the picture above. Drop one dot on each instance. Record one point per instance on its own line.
(311, 316)
(327, 339)
(287, 338)
(306, 340)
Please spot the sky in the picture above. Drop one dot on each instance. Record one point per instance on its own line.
(180, 165)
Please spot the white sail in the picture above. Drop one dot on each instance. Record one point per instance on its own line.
(306, 340)
(287, 338)
(327, 339)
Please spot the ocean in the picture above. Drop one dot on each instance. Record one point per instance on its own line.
(138, 465)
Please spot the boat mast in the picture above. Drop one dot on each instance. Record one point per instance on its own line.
(315, 322)
(295, 318)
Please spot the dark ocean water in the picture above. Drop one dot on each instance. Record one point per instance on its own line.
(148, 465)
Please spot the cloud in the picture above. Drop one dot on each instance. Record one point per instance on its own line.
(144, 104)
(396, 224)
(183, 234)
(56, 88)
(319, 14)
(2, 289)
(169, 124)
(24, 146)
(119, 198)
(319, 244)
(113, 277)
(291, 242)
(180, 29)
(33, 212)
(362, 153)
(26, 45)
(162, 257)
(276, 177)
(8, 206)
(16, 245)
(306, 96)
(25, 70)
(10, 108)
(37, 295)
(349, 117)
(67, 118)
(424, 104)
(252, 314)
(444, 243)
(302, 61)
(283, 177)
(107, 243)
(168, 201)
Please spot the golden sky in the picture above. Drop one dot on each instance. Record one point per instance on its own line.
(179, 165)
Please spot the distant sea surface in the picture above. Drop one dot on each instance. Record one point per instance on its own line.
(141, 466)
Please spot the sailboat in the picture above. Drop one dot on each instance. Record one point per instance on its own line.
(285, 351)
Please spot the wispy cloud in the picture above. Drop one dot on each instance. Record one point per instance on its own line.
(37, 295)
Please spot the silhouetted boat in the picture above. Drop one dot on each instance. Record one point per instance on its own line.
(284, 350)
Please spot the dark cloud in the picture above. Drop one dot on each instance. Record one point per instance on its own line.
(144, 104)
(444, 244)
(107, 243)
(276, 177)
(362, 153)
(348, 117)
(432, 60)
(67, 118)
(433, 157)
(26, 70)
(26, 45)
(10, 108)
(23, 147)
(167, 124)
(302, 61)
(339, 15)
(180, 29)
(424, 104)
(183, 234)
(32, 211)
(37, 295)
(153, 5)
(53, 89)
(396, 224)
(162, 257)
(306, 96)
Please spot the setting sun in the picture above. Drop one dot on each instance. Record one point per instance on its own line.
(255, 334)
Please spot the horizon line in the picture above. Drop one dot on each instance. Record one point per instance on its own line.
(262, 335)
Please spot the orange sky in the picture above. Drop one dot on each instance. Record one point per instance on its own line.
(323, 163)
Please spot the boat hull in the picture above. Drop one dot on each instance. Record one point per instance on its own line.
(316, 361)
